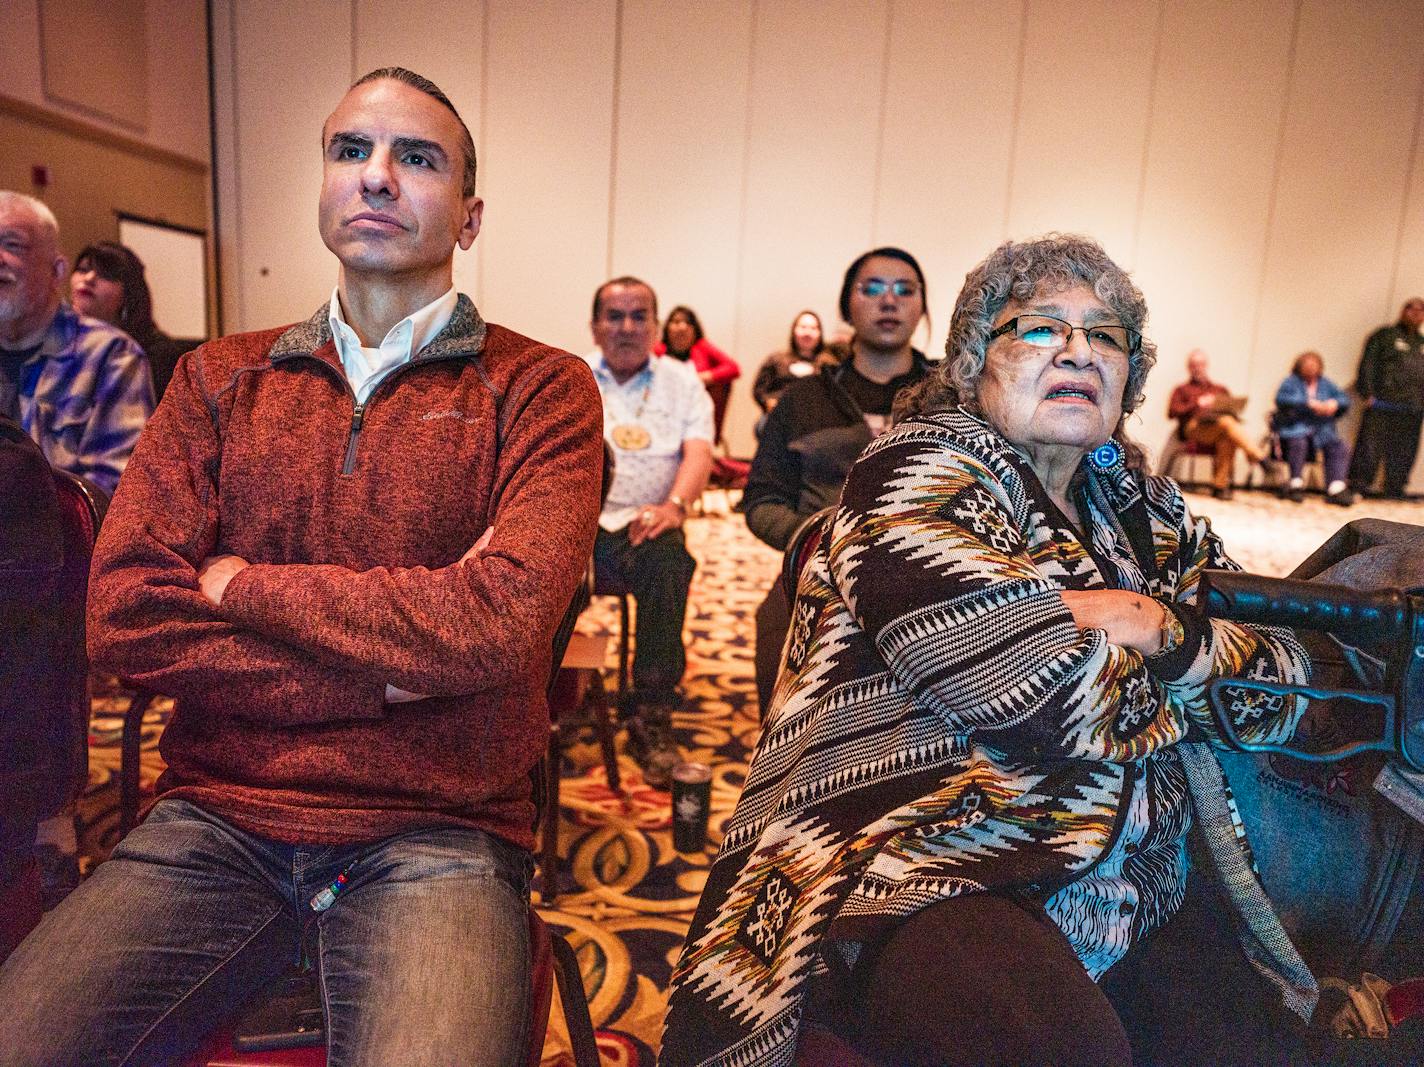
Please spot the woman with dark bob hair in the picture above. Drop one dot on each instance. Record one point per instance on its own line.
(109, 283)
(968, 815)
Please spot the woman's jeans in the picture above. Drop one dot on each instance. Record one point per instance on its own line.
(422, 959)
(1334, 452)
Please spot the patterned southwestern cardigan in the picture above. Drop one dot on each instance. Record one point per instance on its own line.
(941, 726)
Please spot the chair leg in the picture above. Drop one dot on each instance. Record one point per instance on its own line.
(625, 641)
(130, 742)
(597, 703)
(549, 857)
(574, 1001)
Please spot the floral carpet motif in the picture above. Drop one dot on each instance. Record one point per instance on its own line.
(625, 895)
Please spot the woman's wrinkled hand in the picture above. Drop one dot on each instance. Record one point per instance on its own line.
(1129, 619)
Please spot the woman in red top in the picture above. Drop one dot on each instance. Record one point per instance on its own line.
(683, 339)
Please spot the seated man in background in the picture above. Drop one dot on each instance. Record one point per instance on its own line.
(1391, 389)
(35, 759)
(406, 502)
(1204, 417)
(80, 387)
(658, 421)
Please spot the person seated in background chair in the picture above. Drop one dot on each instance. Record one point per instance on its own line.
(356, 621)
(657, 417)
(796, 360)
(1199, 406)
(80, 387)
(109, 284)
(1308, 405)
(34, 761)
(824, 420)
(685, 342)
(1390, 385)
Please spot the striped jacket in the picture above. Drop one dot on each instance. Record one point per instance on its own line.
(941, 726)
(85, 397)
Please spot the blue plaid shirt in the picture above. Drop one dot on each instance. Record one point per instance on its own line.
(85, 397)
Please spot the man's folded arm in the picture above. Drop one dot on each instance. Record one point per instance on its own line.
(149, 623)
(477, 623)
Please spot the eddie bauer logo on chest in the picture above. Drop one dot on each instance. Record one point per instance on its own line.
(468, 420)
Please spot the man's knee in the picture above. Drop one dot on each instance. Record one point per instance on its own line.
(668, 556)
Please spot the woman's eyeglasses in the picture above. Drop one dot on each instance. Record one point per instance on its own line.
(875, 287)
(1045, 331)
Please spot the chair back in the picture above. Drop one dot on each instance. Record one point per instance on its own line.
(721, 392)
(801, 547)
(81, 510)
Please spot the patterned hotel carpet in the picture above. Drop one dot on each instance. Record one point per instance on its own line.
(626, 896)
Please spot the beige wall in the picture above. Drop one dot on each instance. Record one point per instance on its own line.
(142, 150)
(92, 180)
(1257, 166)
(172, 35)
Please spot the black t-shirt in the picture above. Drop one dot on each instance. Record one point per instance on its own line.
(875, 398)
(12, 363)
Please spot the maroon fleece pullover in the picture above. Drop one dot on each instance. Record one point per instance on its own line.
(353, 518)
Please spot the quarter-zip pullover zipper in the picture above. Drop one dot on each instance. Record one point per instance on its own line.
(358, 416)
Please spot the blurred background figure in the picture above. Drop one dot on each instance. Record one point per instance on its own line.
(684, 340)
(1209, 416)
(108, 284)
(1308, 405)
(824, 420)
(79, 387)
(796, 360)
(1391, 389)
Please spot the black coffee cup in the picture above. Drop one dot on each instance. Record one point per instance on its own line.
(691, 804)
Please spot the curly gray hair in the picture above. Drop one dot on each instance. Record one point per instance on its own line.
(1016, 271)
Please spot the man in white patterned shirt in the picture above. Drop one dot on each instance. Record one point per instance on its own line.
(657, 418)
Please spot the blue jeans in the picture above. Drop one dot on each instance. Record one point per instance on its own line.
(423, 959)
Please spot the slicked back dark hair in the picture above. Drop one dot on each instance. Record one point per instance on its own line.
(624, 280)
(430, 89)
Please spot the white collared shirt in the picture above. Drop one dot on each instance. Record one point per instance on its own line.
(365, 367)
(667, 399)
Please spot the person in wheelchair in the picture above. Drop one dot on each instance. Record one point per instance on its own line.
(1308, 407)
(985, 823)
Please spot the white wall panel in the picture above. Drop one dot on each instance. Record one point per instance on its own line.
(816, 88)
(947, 139)
(548, 137)
(1210, 169)
(1408, 279)
(681, 122)
(1340, 188)
(1082, 119)
(285, 88)
(456, 66)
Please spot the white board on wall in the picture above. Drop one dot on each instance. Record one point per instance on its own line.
(175, 263)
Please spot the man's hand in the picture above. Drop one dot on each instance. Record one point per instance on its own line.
(214, 575)
(1206, 400)
(479, 546)
(1130, 619)
(706, 376)
(654, 520)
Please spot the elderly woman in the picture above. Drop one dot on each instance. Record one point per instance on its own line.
(970, 807)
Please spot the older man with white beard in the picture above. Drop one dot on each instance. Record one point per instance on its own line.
(81, 388)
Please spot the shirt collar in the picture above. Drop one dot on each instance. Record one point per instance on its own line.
(602, 370)
(408, 336)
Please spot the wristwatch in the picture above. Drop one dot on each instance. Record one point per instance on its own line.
(1173, 632)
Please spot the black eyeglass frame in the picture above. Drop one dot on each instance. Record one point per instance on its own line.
(1134, 339)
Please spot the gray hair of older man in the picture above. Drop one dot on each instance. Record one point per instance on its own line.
(1017, 271)
(41, 210)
